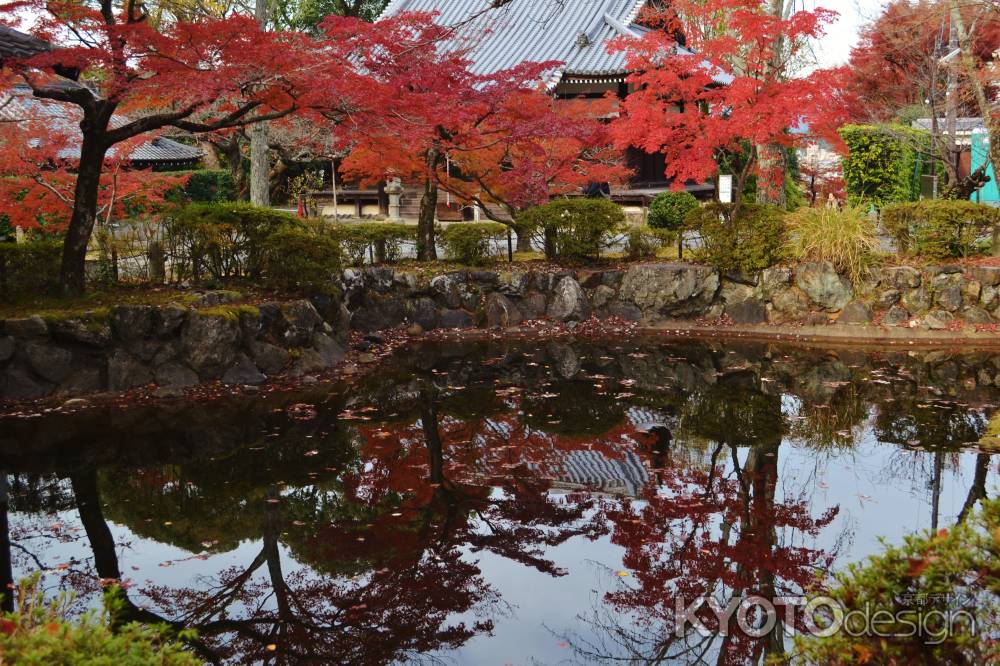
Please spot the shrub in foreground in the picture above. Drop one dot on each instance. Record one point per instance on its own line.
(744, 239)
(574, 229)
(222, 240)
(472, 243)
(38, 632)
(646, 243)
(29, 269)
(378, 242)
(941, 229)
(301, 259)
(846, 238)
(669, 210)
(949, 580)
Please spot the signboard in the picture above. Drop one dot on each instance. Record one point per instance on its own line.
(725, 189)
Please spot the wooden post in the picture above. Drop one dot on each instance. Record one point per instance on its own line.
(333, 184)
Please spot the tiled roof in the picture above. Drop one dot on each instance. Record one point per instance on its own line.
(15, 44)
(19, 104)
(574, 32)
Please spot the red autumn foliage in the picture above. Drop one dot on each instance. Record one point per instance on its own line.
(897, 65)
(730, 90)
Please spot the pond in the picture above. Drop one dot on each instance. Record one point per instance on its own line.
(500, 503)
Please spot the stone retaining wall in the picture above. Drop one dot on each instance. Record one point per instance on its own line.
(175, 347)
(811, 293)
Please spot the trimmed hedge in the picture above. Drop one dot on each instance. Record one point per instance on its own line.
(669, 210)
(574, 229)
(883, 166)
(29, 268)
(380, 242)
(301, 260)
(472, 243)
(746, 239)
(222, 240)
(940, 229)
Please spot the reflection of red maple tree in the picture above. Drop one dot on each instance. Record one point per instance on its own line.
(706, 534)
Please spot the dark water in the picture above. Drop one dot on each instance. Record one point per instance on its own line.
(500, 504)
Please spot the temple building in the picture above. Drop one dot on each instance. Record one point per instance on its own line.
(576, 33)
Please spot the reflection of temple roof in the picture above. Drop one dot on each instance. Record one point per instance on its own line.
(593, 470)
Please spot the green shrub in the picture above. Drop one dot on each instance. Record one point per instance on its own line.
(950, 578)
(29, 269)
(472, 243)
(301, 260)
(574, 229)
(883, 165)
(669, 210)
(203, 186)
(379, 242)
(939, 229)
(646, 243)
(744, 239)
(847, 238)
(221, 240)
(38, 632)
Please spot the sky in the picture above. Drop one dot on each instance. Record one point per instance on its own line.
(835, 47)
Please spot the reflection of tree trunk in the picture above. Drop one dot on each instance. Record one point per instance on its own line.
(6, 570)
(432, 436)
(977, 492)
(88, 503)
(936, 490)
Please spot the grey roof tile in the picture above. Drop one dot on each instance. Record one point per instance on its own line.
(535, 31)
(16, 44)
(19, 104)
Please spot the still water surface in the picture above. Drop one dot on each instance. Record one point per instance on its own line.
(500, 503)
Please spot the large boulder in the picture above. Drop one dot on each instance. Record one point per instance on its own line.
(271, 359)
(126, 372)
(209, 343)
(300, 319)
(132, 322)
(750, 311)
(168, 320)
(93, 333)
(825, 287)
(27, 328)
(6, 348)
(379, 313)
(670, 288)
(501, 312)
(454, 318)
(243, 372)
(568, 302)
(51, 363)
(175, 375)
(791, 304)
(18, 383)
(902, 277)
(423, 311)
(917, 300)
(774, 281)
(857, 314)
(987, 275)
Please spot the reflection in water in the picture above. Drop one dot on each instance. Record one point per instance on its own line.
(500, 503)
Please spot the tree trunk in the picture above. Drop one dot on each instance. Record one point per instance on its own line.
(523, 242)
(72, 277)
(771, 175)
(260, 169)
(426, 245)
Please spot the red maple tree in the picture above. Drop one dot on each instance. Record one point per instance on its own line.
(497, 141)
(728, 90)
